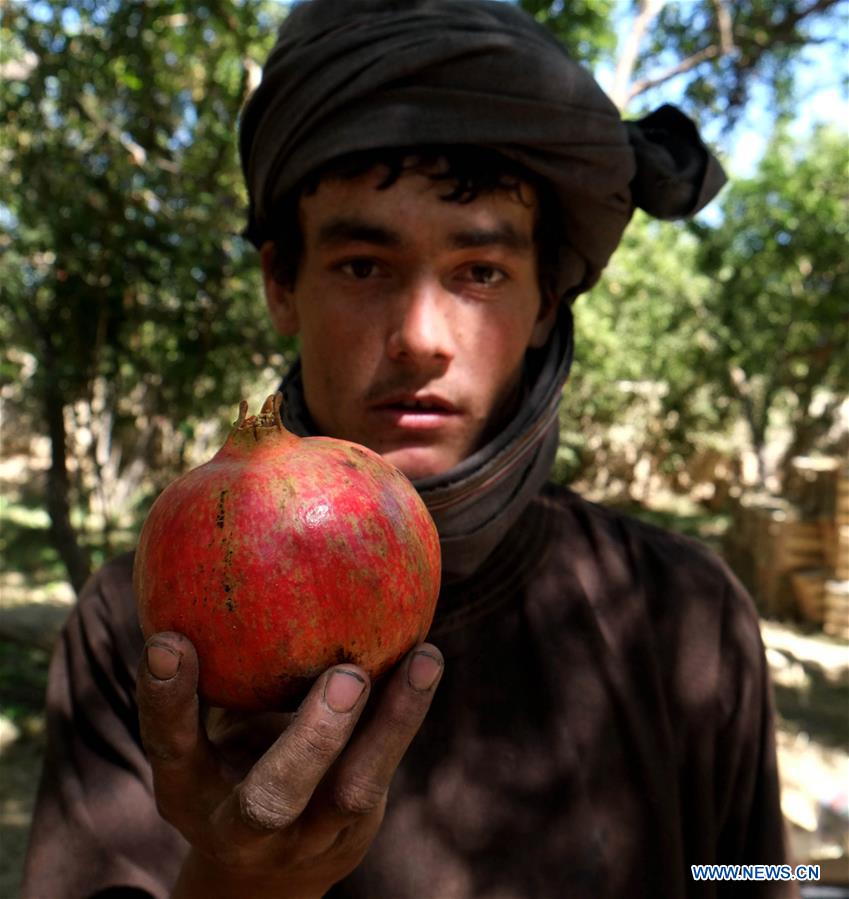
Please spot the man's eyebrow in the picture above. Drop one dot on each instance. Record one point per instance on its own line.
(342, 230)
(503, 234)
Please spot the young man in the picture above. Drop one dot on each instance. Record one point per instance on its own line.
(431, 184)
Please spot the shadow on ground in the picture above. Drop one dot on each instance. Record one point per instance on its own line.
(20, 766)
(812, 700)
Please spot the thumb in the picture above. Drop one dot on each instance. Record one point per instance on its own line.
(169, 719)
(167, 696)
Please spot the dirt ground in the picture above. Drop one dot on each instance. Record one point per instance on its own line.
(810, 676)
(811, 683)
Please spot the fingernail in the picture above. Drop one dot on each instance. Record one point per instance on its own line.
(162, 661)
(343, 689)
(423, 671)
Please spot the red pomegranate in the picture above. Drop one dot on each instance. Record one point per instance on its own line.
(282, 556)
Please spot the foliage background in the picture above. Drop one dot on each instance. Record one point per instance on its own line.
(132, 320)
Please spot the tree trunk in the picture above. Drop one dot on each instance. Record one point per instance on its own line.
(64, 537)
(756, 419)
(759, 444)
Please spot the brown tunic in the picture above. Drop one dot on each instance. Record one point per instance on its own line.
(604, 721)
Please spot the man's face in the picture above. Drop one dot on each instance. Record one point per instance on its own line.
(414, 315)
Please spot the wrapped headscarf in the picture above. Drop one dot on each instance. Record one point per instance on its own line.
(357, 75)
(353, 75)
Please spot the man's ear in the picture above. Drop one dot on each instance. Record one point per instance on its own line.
(279, 298)
(546, 317)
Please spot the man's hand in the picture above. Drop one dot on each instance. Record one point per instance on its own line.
(296, 813)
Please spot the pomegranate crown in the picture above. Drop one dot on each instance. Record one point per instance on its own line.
(268, 417)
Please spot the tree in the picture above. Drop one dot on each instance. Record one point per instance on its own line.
(780, 282)
(695, 327)
(131, 306)
(636, 386)
(586, 29)
(715, 50)
(123, 276)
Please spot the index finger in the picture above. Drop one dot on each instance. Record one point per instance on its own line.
(360, 780)
(280, 785)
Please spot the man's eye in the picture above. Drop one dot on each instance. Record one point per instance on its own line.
(359, 268)
(485, 274)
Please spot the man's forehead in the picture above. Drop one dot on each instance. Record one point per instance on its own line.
(365, 209)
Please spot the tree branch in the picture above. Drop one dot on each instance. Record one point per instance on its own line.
(780, 33)
(726, 27)
(710, 52)
(815, 7)
(625, 66)
(135, 151)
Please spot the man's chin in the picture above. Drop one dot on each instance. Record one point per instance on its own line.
(418, 463)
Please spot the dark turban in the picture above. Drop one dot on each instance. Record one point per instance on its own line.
(353, 75)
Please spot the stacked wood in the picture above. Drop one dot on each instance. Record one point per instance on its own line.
(840, 540)
(809, 590)
(787, 545)
(768, 540)
(793, 551)
(836, 617)
(828, 531)
(750, 519)
(836, 620)
(811, 485)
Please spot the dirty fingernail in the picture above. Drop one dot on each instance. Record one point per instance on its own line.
(162, 661)
(423, 671)
(343, 689)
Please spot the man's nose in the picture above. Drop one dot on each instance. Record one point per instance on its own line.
(421, 330)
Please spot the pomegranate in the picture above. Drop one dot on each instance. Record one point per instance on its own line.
(282, 556)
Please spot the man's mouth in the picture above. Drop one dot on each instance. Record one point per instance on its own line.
(420, 411)
(423, 402)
